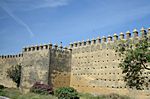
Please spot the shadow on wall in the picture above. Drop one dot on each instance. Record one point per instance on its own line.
(60, 68)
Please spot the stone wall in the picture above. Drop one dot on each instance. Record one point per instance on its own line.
(94, 67)
(47, 64)
(7, 62)
(60, 60)
(35, 66)
(88, 66)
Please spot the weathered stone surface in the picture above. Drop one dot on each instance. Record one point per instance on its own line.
(88, 67)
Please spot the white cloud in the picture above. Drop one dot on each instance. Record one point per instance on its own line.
(51, 3)
(26, 5)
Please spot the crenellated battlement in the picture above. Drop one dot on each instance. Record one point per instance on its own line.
(44, 47)
(114, 38)
(10, 56)
(90, 66)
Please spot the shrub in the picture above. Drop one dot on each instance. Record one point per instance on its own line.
(41, 88)
(66, 93)
(15, 74)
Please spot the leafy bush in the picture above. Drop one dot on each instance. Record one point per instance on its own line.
(41, 88)
(15, 74)
(66, 93)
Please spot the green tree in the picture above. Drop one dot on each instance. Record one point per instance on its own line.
(15, 74)
(136, 58)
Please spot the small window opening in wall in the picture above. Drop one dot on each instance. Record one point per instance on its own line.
(147, 88)
(107, 48)
(92, 56)
(113, 67)
(105, 67)
(107, 60)
(118, 59)
(103, 61)
(105, 79)
(101, 67)
(93, 86)
(113, 60)
(109, 73)
(115, 54)
(107, 54)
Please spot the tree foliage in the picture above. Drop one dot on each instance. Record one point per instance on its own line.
(136, 58)
(15, 74)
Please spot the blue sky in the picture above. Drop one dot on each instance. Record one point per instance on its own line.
(35, 22)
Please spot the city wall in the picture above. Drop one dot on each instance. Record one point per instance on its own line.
(47, 64)
(5, 63)
(95, 62)
(89, 66)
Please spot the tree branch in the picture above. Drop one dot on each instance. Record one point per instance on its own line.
(145, 66)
